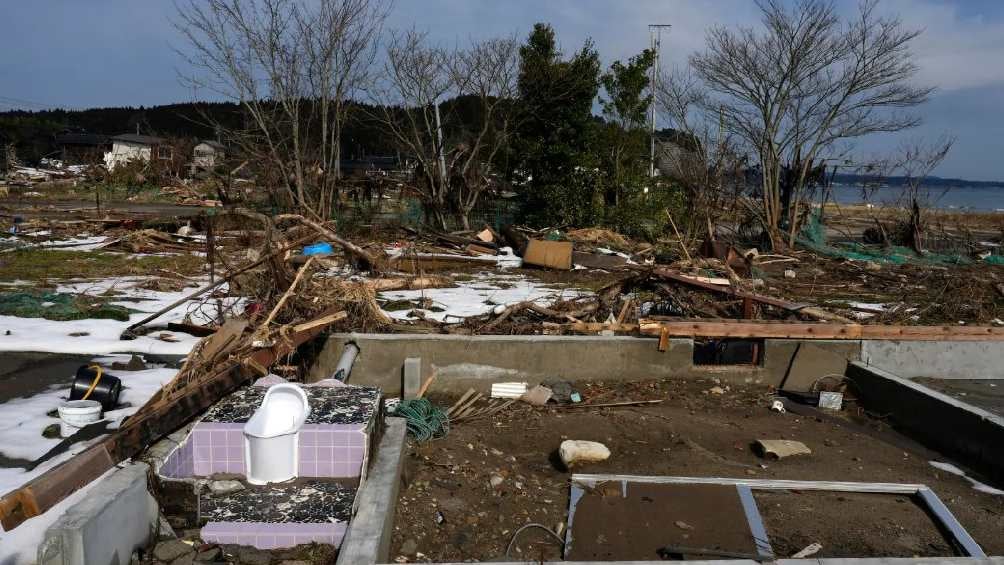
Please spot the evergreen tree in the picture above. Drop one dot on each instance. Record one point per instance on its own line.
(552, 147)
(623, 146)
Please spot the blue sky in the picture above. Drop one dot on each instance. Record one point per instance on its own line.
(74, 53)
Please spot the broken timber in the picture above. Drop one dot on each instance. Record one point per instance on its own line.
(796, 307)
(161, 415)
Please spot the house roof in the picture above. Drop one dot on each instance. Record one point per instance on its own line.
(80, 138)
(214, 144)
(141, 139)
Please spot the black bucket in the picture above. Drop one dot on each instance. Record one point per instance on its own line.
(106, 391)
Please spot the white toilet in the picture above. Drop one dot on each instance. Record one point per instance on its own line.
(271, 436)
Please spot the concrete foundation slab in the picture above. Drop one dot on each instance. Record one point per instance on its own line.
(118, 516)
(947, 424)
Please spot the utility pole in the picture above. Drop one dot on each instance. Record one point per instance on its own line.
(655, 37)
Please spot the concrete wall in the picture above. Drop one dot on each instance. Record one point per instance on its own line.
(117, 516)
(941, 359)
(946, 424)
(124, 151)
(477, 361)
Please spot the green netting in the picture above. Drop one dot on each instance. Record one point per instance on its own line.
(813, 237)
(58, 306)
(994, 260)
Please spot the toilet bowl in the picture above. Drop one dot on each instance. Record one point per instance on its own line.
(271, 436)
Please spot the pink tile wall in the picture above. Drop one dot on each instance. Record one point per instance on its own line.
(332, 451)
(264, 535)
(180, 463)
(326, 450)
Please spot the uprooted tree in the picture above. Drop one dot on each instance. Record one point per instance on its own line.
(293, 66)
(804, 83)
(454, 145)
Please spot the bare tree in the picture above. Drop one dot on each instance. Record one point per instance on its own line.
(916, 161)
(293, 66)
(486, 72)
(804, 83)
(453, 153)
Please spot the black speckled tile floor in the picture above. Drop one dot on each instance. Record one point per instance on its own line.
(328, 405)
(300, 501)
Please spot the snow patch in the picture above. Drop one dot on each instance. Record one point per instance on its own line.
(949, 468)
(479, 295)
(37, 334)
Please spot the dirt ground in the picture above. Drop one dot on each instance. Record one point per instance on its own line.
(448, 509)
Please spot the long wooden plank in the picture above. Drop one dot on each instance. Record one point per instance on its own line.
(806, 330)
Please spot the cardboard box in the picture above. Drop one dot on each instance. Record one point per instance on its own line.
(551, 254)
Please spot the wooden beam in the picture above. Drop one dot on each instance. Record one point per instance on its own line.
(594, 327)
(815, 330)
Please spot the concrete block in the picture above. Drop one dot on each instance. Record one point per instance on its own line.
(367, 540)
(412, 377)
(118, 516)
(939, 359)
(811, 363)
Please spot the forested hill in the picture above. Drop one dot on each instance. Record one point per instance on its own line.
(32, 132)
(932, 181)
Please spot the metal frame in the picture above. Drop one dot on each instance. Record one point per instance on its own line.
(745, 487)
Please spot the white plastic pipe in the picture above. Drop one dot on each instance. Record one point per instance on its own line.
(344, 366)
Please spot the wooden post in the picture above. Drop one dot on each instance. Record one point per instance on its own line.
(210, 246)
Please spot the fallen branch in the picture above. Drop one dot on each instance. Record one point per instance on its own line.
(128, 333)
(805, 309)
(287, 294)
(611, 404)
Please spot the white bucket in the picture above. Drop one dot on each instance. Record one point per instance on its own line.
(76, 414)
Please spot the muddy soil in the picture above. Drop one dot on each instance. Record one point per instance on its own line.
(449, 510)
(850, 525)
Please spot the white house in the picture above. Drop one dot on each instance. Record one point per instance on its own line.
(207, 155)
(132, 147)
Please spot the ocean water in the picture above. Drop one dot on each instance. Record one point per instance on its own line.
(975, 198)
